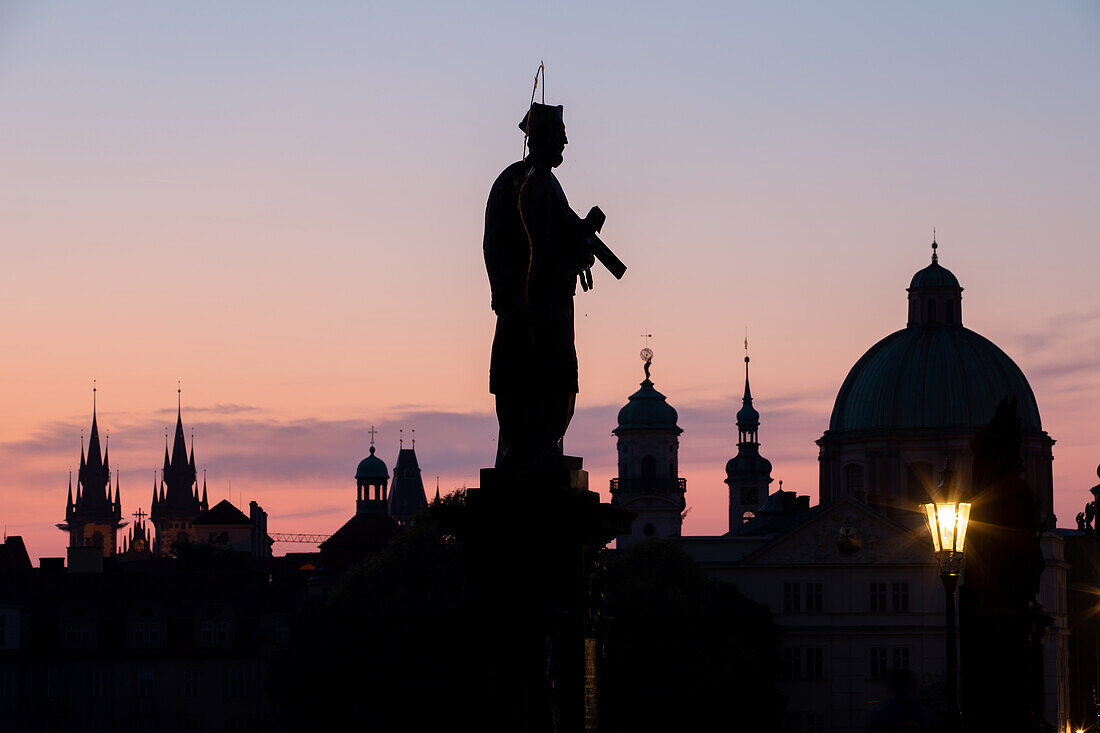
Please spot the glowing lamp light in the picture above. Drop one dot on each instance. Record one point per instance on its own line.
(947, 523)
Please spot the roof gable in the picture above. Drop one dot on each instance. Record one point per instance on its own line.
(846, 532)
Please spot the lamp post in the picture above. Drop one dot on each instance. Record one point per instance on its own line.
(947, 524)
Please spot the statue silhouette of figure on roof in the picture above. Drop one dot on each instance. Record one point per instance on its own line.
(536, 247)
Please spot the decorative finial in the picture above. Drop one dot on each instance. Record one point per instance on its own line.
(401, 437)
(935, 246)
(647, 359)
(746, 347)
(414, 437)
(179, 395)
(372, 432)
(93, 395)
(780, 484)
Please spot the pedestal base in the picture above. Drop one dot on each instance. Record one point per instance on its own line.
(533, 542)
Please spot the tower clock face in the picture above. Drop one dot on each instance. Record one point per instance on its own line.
(749, 495)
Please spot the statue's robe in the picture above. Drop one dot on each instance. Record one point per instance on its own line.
(534, 247)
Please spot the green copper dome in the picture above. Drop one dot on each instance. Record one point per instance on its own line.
(931, 377)
(371, 468)
(647, 410)
(934, 276)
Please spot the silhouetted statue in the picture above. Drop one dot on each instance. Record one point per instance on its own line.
(535, 249)
(1002, 621)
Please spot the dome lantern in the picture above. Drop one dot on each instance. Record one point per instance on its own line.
(935, 296)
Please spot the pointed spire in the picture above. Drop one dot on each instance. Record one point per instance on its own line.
(118, 494)
(165, 470)
(935, 246)
(205, 503)
(154, 504)
(80, 474)
(69, 503)
(748, 419)
(436, 489)
(106, 459)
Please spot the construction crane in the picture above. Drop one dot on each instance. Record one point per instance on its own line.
(307, 539)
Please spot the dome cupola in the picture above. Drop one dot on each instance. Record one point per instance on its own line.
(372, 480)
(371, 468)
(935, 296)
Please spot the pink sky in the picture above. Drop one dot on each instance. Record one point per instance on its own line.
(283, 209)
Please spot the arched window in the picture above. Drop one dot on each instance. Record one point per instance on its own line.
(649, 467)
(853, 478)
(931, 311)
(950, 311)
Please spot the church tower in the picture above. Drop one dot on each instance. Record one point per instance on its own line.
(371, 475)
(748, 474)
(178, 503)
(407, 495)
(94, 518)
(649, 481)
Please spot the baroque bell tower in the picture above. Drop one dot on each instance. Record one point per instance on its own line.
(748, 474)
(649, 482)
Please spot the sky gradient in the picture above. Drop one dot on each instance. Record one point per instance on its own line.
(281, 205)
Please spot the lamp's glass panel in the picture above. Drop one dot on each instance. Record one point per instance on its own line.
(964, 519)
(946, 519)
(930, 514)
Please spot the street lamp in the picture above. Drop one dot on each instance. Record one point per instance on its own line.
(947, 523)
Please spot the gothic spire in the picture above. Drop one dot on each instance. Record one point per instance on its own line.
(205, 504)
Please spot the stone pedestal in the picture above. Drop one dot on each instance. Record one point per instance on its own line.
(533, 541)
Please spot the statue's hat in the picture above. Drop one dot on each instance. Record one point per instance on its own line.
(542, 118)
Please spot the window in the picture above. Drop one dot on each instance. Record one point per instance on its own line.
(649, 467)
(950, 311)
(813, 597)
(750, 495)
(146, 683)
(931, 311)
(878, 663)
(901, 596)
(53, 683)
(153, 632)
(139, 632)
(793, 723)
(191, 682)
(206, 632)
(99, 683)
(815, 664)
(815, 723)
(901, 658)
(221, 632)
(853, 477)
(790, 663)
(236, 681)
(791, 602)
(878, 597)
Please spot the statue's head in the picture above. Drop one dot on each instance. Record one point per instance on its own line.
(545, 130)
